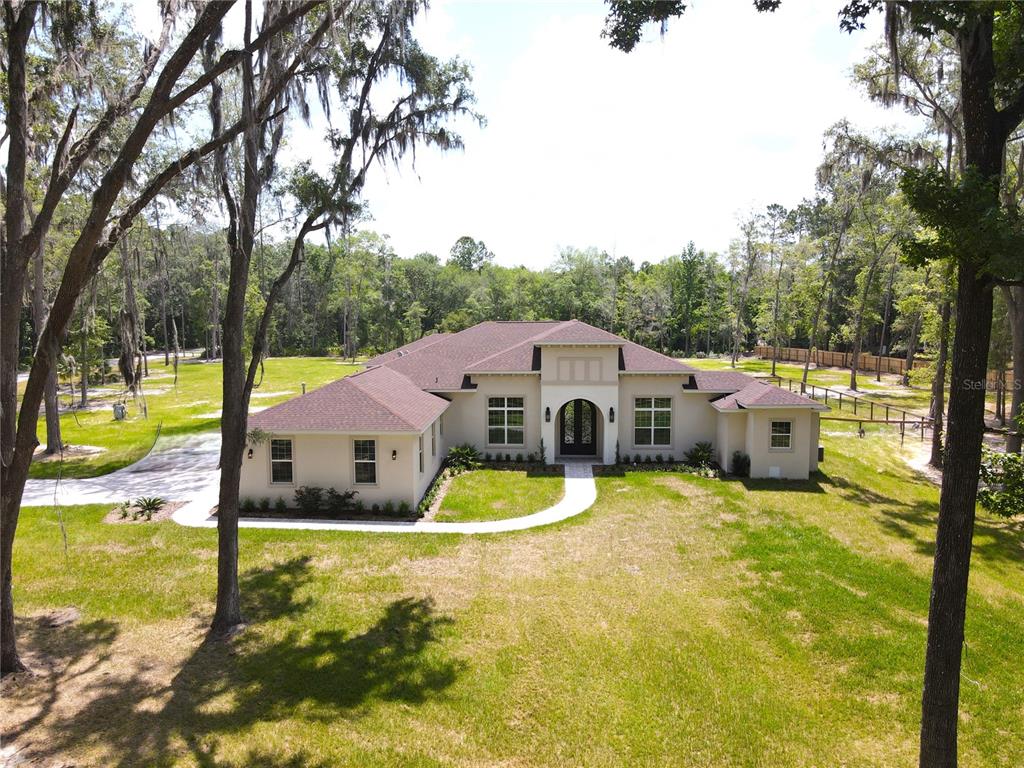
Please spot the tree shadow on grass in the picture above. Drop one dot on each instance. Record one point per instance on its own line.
(265, 675)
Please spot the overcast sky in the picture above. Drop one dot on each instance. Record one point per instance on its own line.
(633, 153)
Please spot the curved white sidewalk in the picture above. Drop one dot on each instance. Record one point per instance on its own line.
(580, 494)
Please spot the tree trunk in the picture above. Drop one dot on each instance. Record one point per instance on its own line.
(51, 404)
(13, 266)
(1015, 302)
(859, 325)
(939, 387)
(984, 140)
(885, 321)
(915, 331)
(775, 314)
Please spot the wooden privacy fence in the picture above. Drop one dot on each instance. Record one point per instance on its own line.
(868, 362)
(832, 359)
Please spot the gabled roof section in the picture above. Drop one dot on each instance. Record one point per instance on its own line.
(375, 400)
(758, 394)
(442, 366)
(637, 359)
(577, 332)
(721, 381)
(421, 343)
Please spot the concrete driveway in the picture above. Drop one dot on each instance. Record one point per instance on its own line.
(177, 469)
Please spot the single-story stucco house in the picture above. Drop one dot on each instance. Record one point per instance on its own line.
(506, 386)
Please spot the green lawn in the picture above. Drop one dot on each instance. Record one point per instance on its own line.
(495, 494)
(193, 406)
(680, 622)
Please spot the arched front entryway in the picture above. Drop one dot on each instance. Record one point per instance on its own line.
(578, 428)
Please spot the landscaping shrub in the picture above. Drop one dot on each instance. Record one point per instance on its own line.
(265, 504)
(659, 459)
(508, 457)
(404, 509)
(359, 507)
(701, 455)
(308, 499)
(740, 464)
(124, 508)
(625, 459)
(149, 505)
(519, 458)
(463, 457)
(339, 503)
(281, 506)
(531, 458)
(247, 506)
(487, 457)
(389, 508)
(540, 451)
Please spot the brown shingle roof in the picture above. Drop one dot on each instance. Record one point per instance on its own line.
(721, 381)
(412, 346)
(637, 359)
(576, 332)
(375, 400)
(757, 394)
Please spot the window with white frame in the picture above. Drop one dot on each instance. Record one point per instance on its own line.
(433, 439)
(782, 435)
(421, 452)
(365, 455)
(505, 421)
(440, 424)
(652, 421)
(281, 465)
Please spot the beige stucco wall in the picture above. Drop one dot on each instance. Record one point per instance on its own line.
(325, 461)
(465, 420)
(794, 463)
(731, 436)
(432, 459)
(693, 418)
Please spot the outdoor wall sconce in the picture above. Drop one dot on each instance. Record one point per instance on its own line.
(250, 453)
(547, 414)
(394, 455)
(611, 415)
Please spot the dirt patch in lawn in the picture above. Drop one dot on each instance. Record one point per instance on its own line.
(135, 516)
(69, 452)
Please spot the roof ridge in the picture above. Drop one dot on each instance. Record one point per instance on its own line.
(376, 399)
(532, 339)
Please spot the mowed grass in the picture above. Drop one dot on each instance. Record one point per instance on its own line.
(496, 494)
(192, 406)
(679, 622)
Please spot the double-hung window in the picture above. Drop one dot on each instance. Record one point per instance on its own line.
(281, 467)
(433, 439)
(652, 421)
(421, 453)
(365, 454)
(782, 435)
(505, 421)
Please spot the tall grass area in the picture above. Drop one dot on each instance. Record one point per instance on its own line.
(680, 622)
(192, 405)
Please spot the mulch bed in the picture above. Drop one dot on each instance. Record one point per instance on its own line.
(294, 515)
(168, 509)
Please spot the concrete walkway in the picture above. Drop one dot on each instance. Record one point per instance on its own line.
(580, 494)
(185, 469)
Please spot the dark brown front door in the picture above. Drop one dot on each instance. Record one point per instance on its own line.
(578, 427)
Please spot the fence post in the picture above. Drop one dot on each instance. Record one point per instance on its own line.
(872, 404)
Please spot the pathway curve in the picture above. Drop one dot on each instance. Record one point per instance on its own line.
(580, 494)
(185, 469)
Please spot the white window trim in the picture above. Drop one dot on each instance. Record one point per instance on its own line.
(487, 422)
(270, 461)
(792, 431)
(376, 461)
(433, 439)
(671, 424)
(419, 451)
